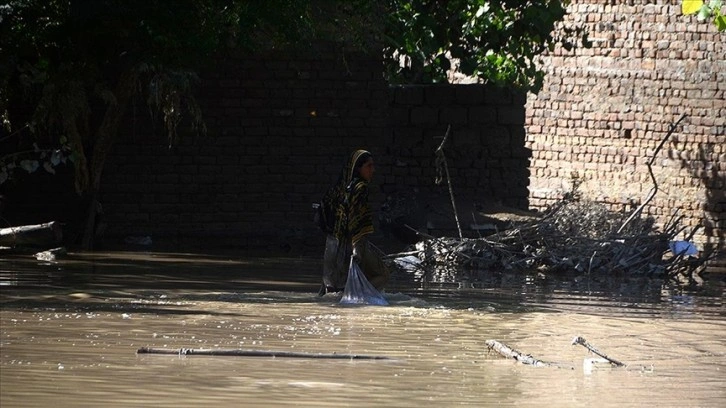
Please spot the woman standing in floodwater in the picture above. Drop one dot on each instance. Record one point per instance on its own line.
(350, 220)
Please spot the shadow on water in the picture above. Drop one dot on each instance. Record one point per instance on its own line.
(156, 270)
(86, 281)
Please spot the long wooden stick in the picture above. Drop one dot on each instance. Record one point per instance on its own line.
(509, 352)
(654, 189)
(581, 341)
(255, 353)
(441, 158)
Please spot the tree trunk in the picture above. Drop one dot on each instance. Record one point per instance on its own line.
(105, 137)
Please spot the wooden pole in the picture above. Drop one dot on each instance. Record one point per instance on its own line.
(441, 160)
(255, 353)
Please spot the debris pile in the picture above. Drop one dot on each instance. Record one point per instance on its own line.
(574, 235)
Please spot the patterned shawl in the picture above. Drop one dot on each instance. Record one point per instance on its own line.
(349, 199)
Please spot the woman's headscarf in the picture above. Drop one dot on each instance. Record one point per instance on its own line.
(349, 199)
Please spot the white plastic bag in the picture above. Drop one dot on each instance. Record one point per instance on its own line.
(359, 291)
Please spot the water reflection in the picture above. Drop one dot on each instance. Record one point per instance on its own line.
(69, 332)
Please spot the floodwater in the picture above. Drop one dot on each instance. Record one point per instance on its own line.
(70, 332)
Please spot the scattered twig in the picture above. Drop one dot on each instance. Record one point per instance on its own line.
(426, 236)
(581, 341)
(400, 254)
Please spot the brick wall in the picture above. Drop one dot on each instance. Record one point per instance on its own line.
(603, 111)
(279, 130)
(485, 149)
(276, 132)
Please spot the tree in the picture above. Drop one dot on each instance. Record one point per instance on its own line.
(79, 64)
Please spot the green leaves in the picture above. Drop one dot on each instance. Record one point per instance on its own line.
(720, 22)
(706, 10)
(704, 13)
(494, 41)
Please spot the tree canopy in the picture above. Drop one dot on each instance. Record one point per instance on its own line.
(77, 64)
(69, 58)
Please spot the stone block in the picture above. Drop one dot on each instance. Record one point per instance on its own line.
(497, 96)
(510, 115)
(454, 115)
(408, 95)
(437, 95)
(424, 116)
(470, 94)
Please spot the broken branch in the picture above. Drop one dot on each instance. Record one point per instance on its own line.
(581, 341)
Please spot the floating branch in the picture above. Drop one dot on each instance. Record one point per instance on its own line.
(255, 353)
(581, 341)
(509, 352)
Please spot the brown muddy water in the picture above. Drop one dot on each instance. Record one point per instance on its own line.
(70, 331)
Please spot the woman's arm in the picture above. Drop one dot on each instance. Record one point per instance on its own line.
(361, 219)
